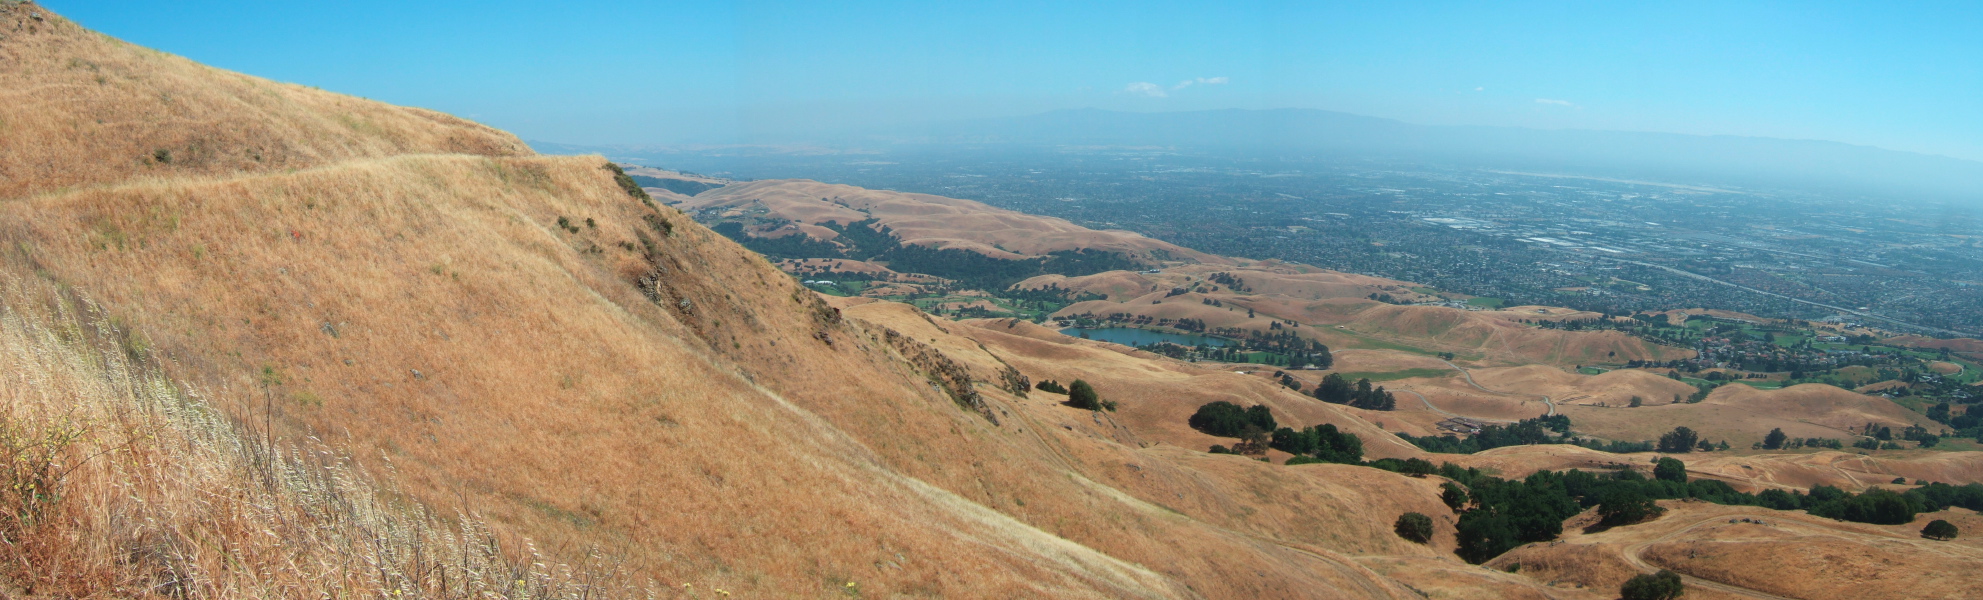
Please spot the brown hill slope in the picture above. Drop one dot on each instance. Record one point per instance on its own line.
(78, 108)
(515, 338)
(1336, 305)
(928, 220)
(1758, 552)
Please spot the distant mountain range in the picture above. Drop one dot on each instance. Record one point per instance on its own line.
(1818, 166)
(1802, 164)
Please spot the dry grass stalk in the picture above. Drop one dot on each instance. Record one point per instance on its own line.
(120, 482)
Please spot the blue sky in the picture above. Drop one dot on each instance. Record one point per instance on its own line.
(1905, 77)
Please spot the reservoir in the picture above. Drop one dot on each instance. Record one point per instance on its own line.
(1130, 336)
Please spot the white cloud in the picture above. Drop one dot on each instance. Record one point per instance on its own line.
(1146, 88)
(1480, 89)
(1200, 81)
(1557, 102)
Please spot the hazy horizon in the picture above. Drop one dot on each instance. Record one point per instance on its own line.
(623, 73)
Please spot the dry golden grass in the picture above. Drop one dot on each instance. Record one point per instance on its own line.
(509, 367)
(78, 108)
(1789, 554)
(516, 338)
(120, 482)
(935, 221)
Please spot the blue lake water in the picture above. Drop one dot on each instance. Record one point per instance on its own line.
(1130, 336)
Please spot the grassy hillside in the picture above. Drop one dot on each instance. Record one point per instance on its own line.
(524, 345)
(322, 345)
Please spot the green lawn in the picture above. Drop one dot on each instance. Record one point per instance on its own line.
(1484, 302)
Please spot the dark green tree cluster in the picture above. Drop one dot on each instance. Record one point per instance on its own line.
(1664, 585)
(869, 240)
(1502, 514)
(1225, 419)
(1524, 432)
(1454, 496)
(1670, 469)
(1334, 389)
(1679, 441)
(680, 186)
(1081, 395)
(1415, 527)
(1625, 506)
(1775, 440)
(1323, 442)
(1049, 385)
(1497, 514)
(1940, 530)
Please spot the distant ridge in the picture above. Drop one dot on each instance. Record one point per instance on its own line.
(1720, 160)
(1729, 159)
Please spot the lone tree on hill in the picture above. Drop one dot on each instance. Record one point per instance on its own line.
(1414, 526)
(1939, 530)
(1679, 441)
(1774, 441)
(1081, 395)
(1664, 585)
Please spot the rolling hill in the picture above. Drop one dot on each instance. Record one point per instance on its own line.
(269, 341)
(786, 207)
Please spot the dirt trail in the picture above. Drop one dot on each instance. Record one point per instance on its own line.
(1463, 371)
(1429, 406)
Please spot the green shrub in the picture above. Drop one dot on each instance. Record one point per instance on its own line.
(1081, 395)
(1414, 526)
(628, 185)
(1225, 419)
(1664, 585)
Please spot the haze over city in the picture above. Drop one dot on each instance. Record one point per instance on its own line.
(1900, 77)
